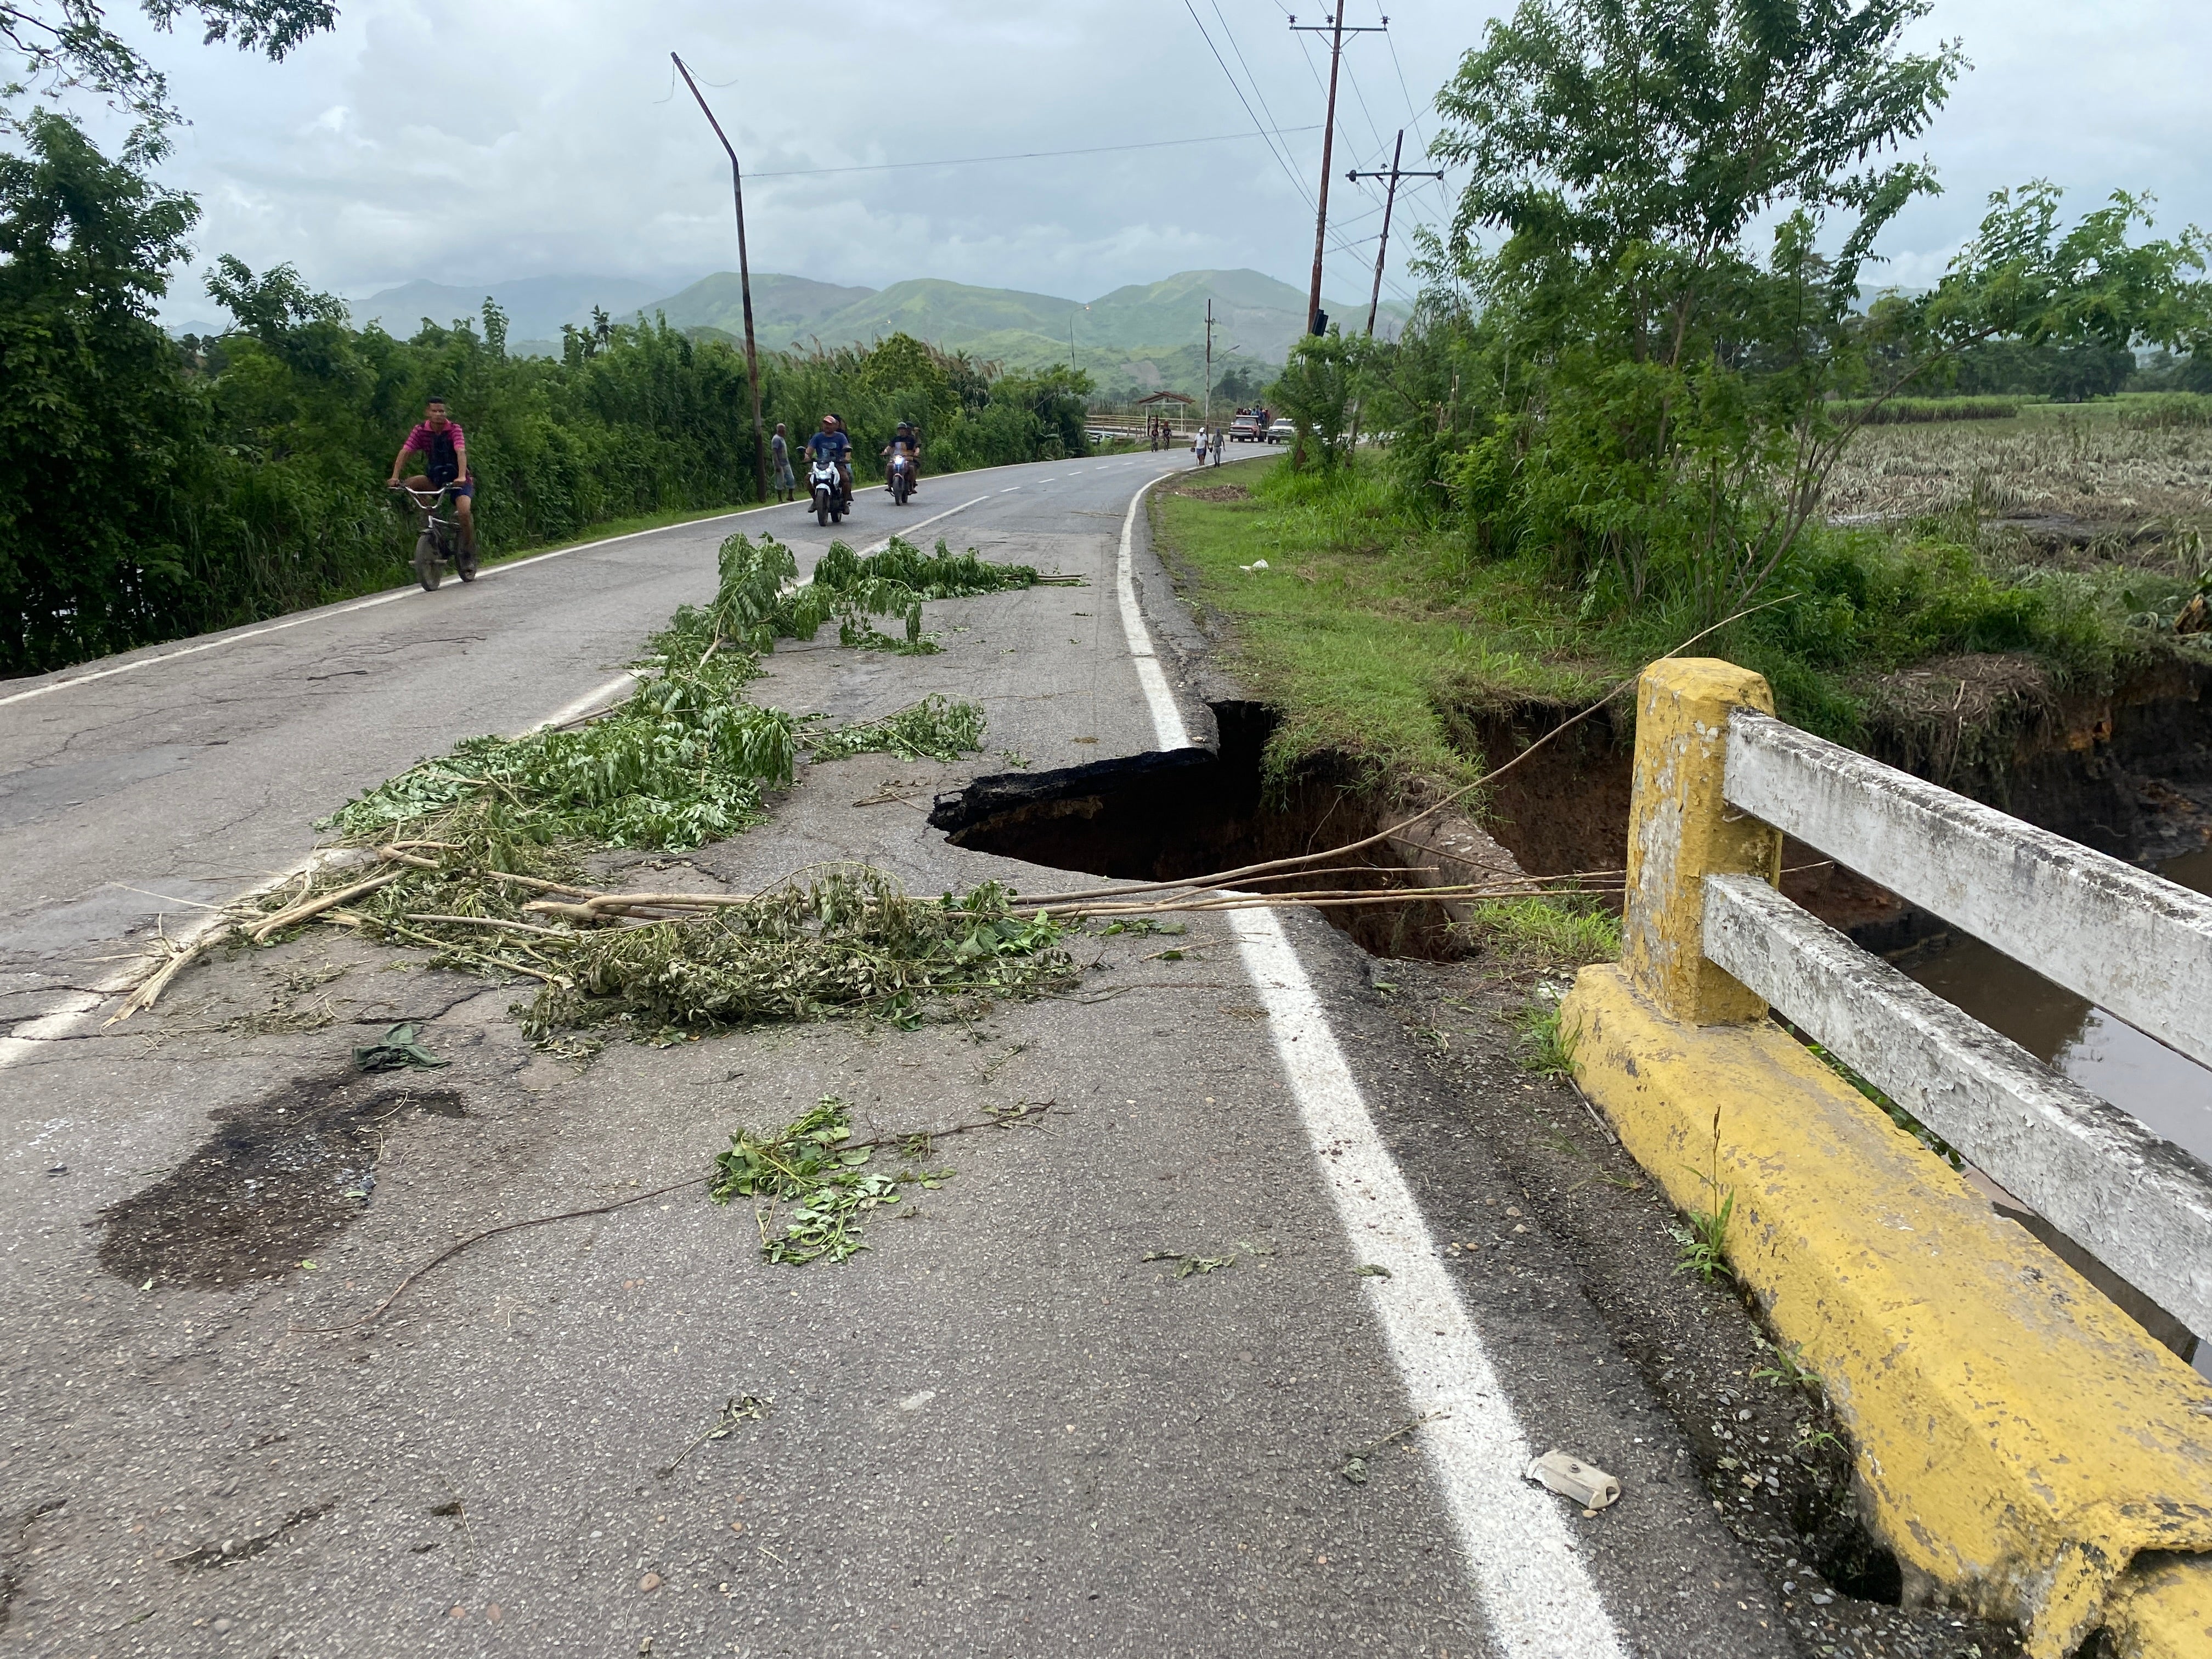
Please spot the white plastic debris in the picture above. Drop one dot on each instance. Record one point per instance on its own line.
(1568, 1476)
(1256, 564)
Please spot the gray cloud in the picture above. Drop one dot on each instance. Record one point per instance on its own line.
(502, 139)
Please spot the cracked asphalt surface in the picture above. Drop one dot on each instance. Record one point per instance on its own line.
(998, 1431)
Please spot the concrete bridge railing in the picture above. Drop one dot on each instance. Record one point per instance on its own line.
(2125, 940)
(2024, 1448)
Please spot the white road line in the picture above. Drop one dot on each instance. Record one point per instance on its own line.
(1167, 718)
(1010, 489)
(924, 524)
(1537, 1596)
(193, 650)
(359, 605)
(584, 705)
(397, 594)
(24, 1040)
(27, 1038)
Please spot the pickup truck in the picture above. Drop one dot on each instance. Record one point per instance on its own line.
(1248, 429)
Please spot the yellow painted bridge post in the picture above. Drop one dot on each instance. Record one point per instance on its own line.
(1680, 831)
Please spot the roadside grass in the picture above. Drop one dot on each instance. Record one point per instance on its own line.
(1547, 1048)
(1560, 930)
(1369, 631)
(1361, 621)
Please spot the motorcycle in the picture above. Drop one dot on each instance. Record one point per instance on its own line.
(440, 543)
(900, 481)
(829, 491)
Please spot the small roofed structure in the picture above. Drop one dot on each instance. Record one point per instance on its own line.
(1167, 415)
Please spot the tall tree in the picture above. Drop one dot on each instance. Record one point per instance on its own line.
(1651, 396)
(95, 420)
(59, 45)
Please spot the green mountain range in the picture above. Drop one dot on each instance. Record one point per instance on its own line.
(1136, 339)
(1256, 318)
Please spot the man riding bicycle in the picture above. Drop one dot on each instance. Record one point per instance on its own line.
(831, 445)
(444, 455)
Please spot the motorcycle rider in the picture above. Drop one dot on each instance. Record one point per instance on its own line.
(904, 440)
(445, 452)
(830, 444)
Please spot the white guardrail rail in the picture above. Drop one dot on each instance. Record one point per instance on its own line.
(2133, 944)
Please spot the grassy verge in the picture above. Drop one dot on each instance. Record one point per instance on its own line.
(1361, 626)
(1375, 635)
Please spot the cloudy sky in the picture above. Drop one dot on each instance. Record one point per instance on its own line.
(470, 141)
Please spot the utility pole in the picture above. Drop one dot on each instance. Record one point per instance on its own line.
(1209, 362)
(745, 281)
(1335, 30)
(1389, 202)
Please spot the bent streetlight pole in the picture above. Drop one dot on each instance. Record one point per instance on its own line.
(745, 281)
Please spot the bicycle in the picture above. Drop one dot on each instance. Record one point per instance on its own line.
(440, 543)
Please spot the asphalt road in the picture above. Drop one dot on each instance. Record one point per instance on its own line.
(1001, 1430)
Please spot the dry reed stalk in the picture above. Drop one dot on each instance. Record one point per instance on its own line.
(492, 921)
(1318, 896)
(315, 907)
(175, 958)
(535, 884)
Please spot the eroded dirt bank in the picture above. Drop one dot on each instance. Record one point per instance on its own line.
(2126, 771)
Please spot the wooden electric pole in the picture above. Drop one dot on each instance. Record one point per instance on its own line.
(1335, 29)
(1389, 202)
(745, 281)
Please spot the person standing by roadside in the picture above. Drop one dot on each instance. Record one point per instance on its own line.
(779, 449)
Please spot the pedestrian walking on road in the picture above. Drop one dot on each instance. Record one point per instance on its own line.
(1216, 445)
(1198, 447)
(779, 449)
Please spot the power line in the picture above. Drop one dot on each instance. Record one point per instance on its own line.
(1229, 34)
(1335, 29)
(1022, 156)
(1373, 128)
(1288, 171)
(1336, 243)
(1413, 115)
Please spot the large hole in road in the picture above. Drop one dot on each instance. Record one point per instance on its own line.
(1187, 812)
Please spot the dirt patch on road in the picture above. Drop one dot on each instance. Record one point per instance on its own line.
(277, 1180)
